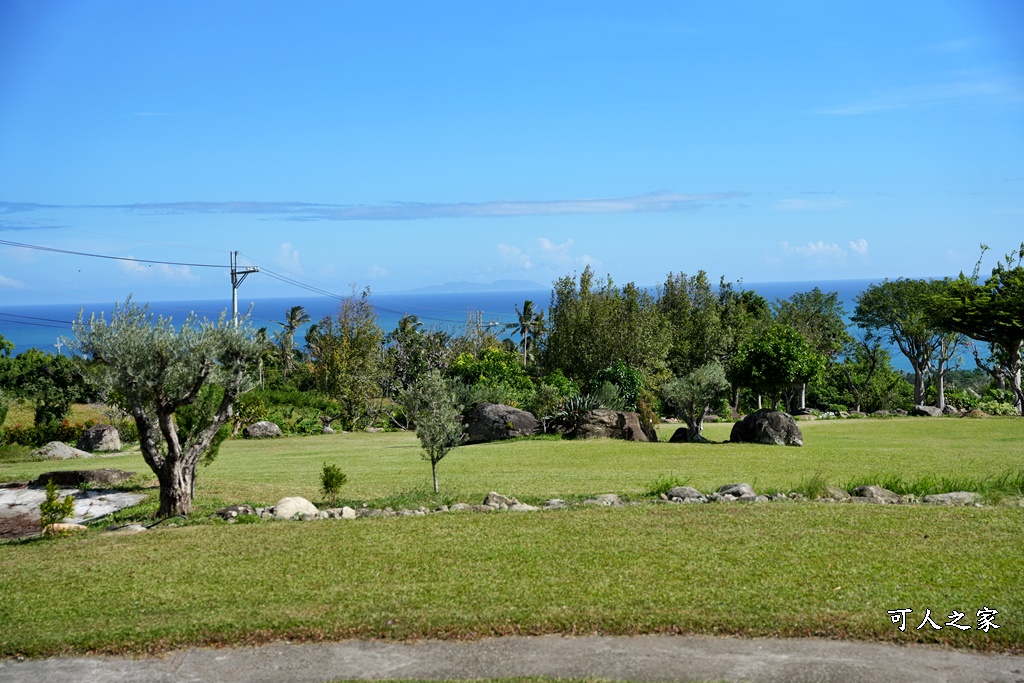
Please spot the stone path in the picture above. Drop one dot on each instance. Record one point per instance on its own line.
(641, 658)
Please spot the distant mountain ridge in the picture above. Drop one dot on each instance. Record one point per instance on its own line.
(496, 286)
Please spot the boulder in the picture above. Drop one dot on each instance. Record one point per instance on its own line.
(737, 492)
(99, 439)
(611, 424)
(949, 410)
(836, 494)
(605, 499)
(329, 430)
(685, 494)
(290, 508)
(56, 450)
(499, 502)
(926, 411)
(874, 494)
(261, 430)
(76, 478)
(681, 435)
(493, 422)
(769, 427)
(952, 498)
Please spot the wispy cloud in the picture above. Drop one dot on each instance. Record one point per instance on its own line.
(927, 96)
(655, 202)
(821, 252)
(288, 257)
(162, 271)
(544, 255)
(10, 283)
(812, 204)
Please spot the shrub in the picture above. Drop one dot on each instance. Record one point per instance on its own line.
(53, 510)
(39, 435)
(664, 484)
(993, 407)
(331, 481)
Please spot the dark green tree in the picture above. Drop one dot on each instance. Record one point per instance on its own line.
(819, 318)
(991, 311)
(774, 363)
(346, 357)
(898, 309)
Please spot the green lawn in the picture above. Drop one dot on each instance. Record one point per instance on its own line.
(777, 569)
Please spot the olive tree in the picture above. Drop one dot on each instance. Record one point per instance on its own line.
(432, 404)
(693, 394)
(152, 370)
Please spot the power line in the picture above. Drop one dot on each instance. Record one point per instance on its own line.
(104, 256)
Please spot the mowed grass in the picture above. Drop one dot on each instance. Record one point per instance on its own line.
(777, 569)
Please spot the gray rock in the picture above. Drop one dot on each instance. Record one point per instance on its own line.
(289, 508)
(99, 439)
(493, 422)
(684, 493)
(233, 511)
(56, 450)
(874, 494)
(555, 504)
(738, 491)
(605, 499)
(261, 430)
(834, 493)
(329, 430)
(952, 498)
(460, 507)
(611, 424)
(769, 427)
(498, 501)
(348, 513)
(949, 410)
(76, 478)
(762, 499)
(522, 507)
(926, 411)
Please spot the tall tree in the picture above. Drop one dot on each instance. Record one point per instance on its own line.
(776, 361)
(294, 318)
(898, 309)
(991, 311)
(346, 356)
(594, 324)
(529, 325)
(819, 318)
(153, 370)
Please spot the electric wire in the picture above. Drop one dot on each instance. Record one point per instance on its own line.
(105, 256)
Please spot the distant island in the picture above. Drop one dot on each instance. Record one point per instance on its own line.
(462, 287)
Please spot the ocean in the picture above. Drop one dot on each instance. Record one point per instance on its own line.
(44, 326)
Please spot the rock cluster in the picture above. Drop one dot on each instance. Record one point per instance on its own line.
(739, 493)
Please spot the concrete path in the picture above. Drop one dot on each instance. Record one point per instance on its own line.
(642, 658)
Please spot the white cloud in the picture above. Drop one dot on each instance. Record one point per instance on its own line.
(821, 252)
(288, 257)
(162, 271)
(546, 255)
(378, 271)
(11, 283)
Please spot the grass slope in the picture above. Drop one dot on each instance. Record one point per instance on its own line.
(778, 569)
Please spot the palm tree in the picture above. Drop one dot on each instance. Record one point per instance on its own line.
(529, 326)
(294, 318)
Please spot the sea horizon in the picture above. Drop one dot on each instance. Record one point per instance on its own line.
(45, 326)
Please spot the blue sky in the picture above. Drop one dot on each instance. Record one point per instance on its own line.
(404, 144)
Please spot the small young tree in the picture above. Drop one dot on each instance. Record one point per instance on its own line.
(438, 421)
(151, 369)
(692, 395)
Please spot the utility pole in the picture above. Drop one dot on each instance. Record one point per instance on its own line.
(236, 279)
